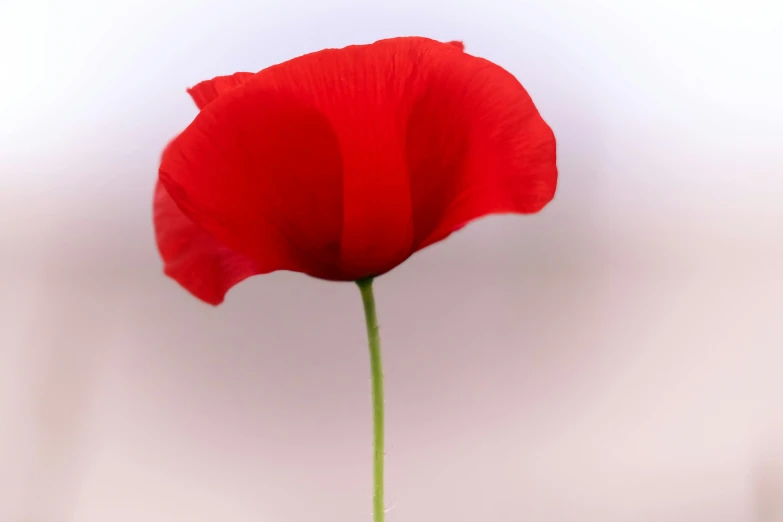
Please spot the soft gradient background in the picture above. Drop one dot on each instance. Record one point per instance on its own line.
(616, 358)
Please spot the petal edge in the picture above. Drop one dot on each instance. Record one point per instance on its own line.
(207, 91)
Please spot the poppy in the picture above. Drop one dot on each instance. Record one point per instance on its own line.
(344, 162)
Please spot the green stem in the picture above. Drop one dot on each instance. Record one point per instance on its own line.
(376, 372)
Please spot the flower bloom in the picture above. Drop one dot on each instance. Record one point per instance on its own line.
(342, 163)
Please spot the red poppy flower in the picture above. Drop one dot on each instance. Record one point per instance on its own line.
(342, 163)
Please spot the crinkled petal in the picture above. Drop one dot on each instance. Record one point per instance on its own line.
(476, 145)
(192, 257)
(261, 172)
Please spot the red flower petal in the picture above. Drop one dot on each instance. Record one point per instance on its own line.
(476, 146)
(262, 175)
(192, 257)
(342, 163)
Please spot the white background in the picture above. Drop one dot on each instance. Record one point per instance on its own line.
(617, 357)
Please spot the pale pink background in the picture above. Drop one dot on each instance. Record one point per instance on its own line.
(616, 358)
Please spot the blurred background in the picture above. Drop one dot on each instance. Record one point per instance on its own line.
(617, 357)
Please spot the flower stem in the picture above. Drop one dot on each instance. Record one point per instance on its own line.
(376, 372)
